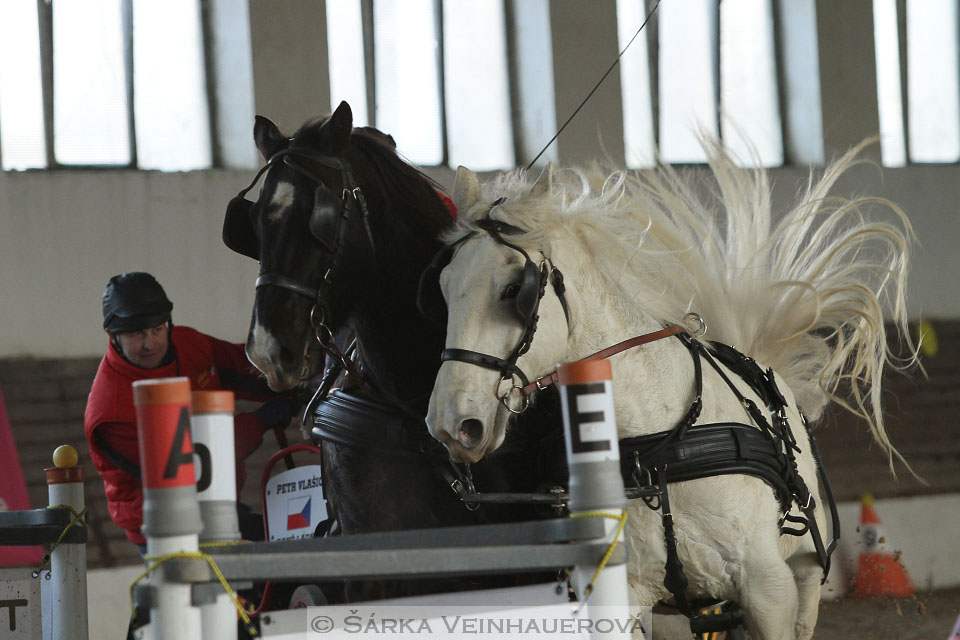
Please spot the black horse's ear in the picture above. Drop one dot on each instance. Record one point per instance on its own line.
(341, 126)
(268, 137)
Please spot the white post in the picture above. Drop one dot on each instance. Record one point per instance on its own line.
(593, 455)
(212, 426)
(171, 516)
(68, 562)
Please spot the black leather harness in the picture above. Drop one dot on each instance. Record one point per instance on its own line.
(766, 450)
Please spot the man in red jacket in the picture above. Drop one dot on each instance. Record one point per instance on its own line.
(145, 344)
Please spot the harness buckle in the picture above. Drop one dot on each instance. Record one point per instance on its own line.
(321, 331)
(505, 396)
(462, 485)
(462, 493)
(639, 472)
(539, 386)
(698, 322)
(558, 506)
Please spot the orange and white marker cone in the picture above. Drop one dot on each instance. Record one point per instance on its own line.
(879, 570)
(171, 514)
(596, 486)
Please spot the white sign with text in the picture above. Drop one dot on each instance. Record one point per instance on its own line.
(295, 504)
(20, 604)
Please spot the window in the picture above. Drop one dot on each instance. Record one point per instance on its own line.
(126, 83)
(635, 84)
(688, 80)
(170, 100)
(441, 83)
(750, 113)
(346, 50)
(90, 121)
(931, 130)
(932, 81)
(22, 137)
(800, 81)
(407, 54)
(717, 76)
(534, 91)
(123, 83)
(476, 86)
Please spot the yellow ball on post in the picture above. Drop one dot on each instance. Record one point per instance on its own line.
(65, 456)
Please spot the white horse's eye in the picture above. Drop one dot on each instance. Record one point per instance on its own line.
(511, 291)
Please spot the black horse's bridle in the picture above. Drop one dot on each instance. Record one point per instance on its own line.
(327, 225)
(531, 292)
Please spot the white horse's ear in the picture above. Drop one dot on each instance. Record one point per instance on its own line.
(466, 189)
(544, 184)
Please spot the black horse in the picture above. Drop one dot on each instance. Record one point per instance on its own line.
(343, 228)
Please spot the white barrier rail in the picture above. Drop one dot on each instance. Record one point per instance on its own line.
(590, 542)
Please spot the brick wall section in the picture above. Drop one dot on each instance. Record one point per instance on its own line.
(46, 398)
(921, 414)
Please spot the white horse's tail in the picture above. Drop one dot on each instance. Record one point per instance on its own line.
(806, 295)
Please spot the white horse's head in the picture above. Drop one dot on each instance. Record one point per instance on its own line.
(504, 315)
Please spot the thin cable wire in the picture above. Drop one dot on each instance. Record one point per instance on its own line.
(596, 86)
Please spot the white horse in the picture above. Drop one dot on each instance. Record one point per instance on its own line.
(639, 252)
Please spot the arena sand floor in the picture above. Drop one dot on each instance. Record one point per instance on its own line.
(924, 616)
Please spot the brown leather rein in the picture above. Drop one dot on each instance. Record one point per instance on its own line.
(551, 378)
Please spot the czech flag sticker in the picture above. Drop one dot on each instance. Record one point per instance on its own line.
(298, 513)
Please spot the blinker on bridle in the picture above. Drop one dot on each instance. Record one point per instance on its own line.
(329, 230)
(532, 289)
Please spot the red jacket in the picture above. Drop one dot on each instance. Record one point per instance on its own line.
(110, 421)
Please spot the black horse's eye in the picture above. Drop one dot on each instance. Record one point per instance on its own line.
(510, 292)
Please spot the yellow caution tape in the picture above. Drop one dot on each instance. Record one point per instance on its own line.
(622, 519)
(156, 561)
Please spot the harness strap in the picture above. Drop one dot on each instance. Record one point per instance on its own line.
(485, 360)
(831, 502)
(764, 385)
(551, 378)
(556, 279)
(678, 432)
(707, 450)
(362, 423)
(674, 580)
(357, 194)
(277, 280)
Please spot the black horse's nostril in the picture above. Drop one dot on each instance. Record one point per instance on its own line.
(471, 433)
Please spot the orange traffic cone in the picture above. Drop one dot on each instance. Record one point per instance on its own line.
(955, 634)
(879, 570)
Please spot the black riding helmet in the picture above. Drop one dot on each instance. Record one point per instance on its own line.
(134, 302)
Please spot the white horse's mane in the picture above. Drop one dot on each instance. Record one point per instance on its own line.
(805, 294)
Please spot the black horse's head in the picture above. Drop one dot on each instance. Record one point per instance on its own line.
(314, 229)
(308, 230)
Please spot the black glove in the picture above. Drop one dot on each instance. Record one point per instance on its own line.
(276, 412)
